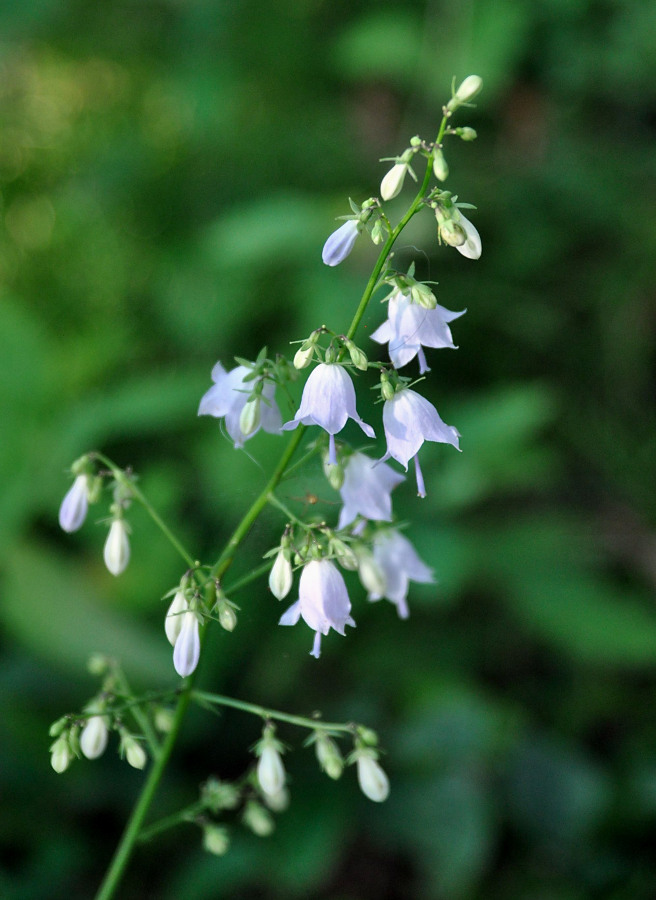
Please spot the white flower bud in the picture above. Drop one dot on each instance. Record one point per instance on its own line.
(117, 547)
(392, 183)
(270, 770)
(373, 781)
(173, 620)
(73, 509)
(329, 757)
(227, 616)
(60, 754)
(466, 92)
(133, 751)
(303, 356)
(281, 576)
(471, 247)
(187, 647)
(258, 819)
(277, 802)
(358, 356)
(215, 840)
(440, 167)
(93, 739)
(250, 416)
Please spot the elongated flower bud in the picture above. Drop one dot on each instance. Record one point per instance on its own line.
(258, 819)
(440, 168)
(329, 756)
(117, 547)
(270, 770)
(215, 839)
(392, 183)
(281, 576)
(173, 620)
(133, 751)
(340, 243)
(73, 509)
(373, 781)
(93, 739)
(251, 416)
(371, 575)
(466, 92)
(61, 755)
(187, 647)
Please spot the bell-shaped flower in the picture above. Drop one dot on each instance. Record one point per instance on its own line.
(409, 420)
(228, 397)
(367, 489)
(116, 552)
(328, 401)
(410, 327)
(323, 601)
(400, 564)
(340, 243)
(73, 509)
(93, 739)
(186, 651)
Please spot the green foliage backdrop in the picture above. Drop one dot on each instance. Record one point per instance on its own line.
(169, 172)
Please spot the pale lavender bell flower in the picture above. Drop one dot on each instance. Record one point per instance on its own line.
(328, 401)
(228, 397)
(400, 564)
(410, 327)
(409, 420)
(340, 243)
(323, 601)
(367, 489)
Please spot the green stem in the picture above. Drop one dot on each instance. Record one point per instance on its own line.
(223, 563)
(121, 477)
(264, 713)
(186, 815)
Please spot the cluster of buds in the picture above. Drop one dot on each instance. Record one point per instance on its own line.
(85, 490)
(87, 734)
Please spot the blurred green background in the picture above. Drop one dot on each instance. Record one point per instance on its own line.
(169, 173)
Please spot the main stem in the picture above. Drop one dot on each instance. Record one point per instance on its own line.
(131, 833)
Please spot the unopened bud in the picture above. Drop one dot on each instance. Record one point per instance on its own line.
(466, 133)
(270, 769)
(93, 739)
(378, 232)
(440, 168)
(281, 576)
(227, 615)
(250, 416)
(117, 547)
(345, 556)
(173, 620)
(329, 756)
(371, 575)
(303, 356)
(133, 751)
(358, 357)
(258, 819)
(392, 183)
(452, 234)
(386, 389)
(423, 296)
(466, 92)
(215, 839)
(373, 781)
(61, 755)
(333, 472)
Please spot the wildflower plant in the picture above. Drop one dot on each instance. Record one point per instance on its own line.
(364, 538)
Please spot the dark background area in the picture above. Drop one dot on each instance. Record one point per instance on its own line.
(169, 172)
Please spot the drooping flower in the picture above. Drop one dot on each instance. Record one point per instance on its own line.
(323, 601)
(410, 327)
(328, 401)
(117, 547)
(400, 564)
(73, 509)
(186, 651)
(228, 397)
(340, 243)
(366, 490)
(93, 739)
(409, 420)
